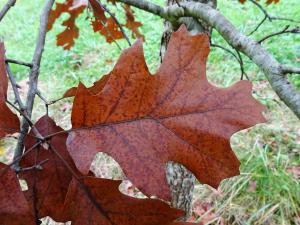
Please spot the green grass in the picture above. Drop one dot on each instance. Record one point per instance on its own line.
(266, 151)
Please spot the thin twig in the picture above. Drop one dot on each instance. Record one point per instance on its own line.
(261, 8)
(34, 191)
(47, 102)
(24, 114)
(44, 100)
(226, 50)
(22, 109)
(38, 166)
(116, 21)
(18, 62)
(290, 70)
(55, 101)
(34, 74)
(237, 57)
(268, 16)
(286, 30)
(258, 25)
(15, 88)
(242, 66)
(16, 161)
(6, 8)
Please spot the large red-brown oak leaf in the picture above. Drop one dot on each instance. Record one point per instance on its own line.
(9, 122)
(98, 201)
(50, 184)
(14, 209)
(144, 121)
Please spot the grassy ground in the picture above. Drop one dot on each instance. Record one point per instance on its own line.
(268, 189)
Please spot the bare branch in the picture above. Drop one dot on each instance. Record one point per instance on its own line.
(16, 161)
(6, 8)
(33, 76)
(18, 62)
(242, 66)
(15, 88)
(261, 8)
(258, 25)
(286, 30)
(22, 109)
(38, 167)
(238, 58)
(22, 113)
(268, 16)
(290, 70)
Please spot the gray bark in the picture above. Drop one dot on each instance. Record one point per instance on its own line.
(33, 79)
(6, 8)
(194, 26)
(181, 180)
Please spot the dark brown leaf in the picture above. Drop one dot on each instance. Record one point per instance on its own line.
(51, 183)
(14, 209)
(9, 122)
(144, 121)
(107, 206)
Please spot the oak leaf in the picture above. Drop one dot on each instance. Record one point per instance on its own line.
(50, 184)
(14, 209)
(107, 26)
(99, 202)
(111, 31)
(144, 121)
(131, 23)
(99, 16)
(9, 122)
(71, 32)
